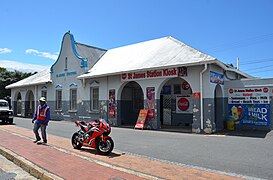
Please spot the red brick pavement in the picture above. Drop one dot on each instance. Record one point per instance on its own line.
(61, 159)
(57, 162)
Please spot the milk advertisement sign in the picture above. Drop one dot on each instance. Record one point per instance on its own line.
(249, 106)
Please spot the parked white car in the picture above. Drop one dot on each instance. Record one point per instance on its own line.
(6, 114)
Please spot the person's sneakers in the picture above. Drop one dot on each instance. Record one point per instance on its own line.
(36, 141)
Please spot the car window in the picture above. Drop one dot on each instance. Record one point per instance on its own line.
(3, 104)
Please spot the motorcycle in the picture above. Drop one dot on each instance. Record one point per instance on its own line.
(94, 135)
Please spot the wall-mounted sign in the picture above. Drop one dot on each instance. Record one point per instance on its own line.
(183, 104)
(66, 74)
(152, 74)
(185, 85)
(182, 71)
(167, 89)
(249, 106)
(216, 78)
(196, 95)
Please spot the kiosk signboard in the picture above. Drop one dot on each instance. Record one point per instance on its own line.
(249, 106)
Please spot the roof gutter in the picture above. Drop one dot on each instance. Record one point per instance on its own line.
(34, 84)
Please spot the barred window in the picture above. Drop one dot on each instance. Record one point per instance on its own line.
(43, 93)
(73, 99)
(58, 99)
(94, 98)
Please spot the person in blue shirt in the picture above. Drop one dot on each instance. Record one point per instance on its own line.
(41, 119)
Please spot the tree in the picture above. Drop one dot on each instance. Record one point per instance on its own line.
(9, 77)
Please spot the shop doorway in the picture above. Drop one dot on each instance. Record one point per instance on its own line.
(18, 105)
(29, 104)
(218, 108)
(132, 100)
(176, 105)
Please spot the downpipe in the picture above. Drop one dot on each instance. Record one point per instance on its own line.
(201, 97)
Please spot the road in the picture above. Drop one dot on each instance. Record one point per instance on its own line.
(247, 156)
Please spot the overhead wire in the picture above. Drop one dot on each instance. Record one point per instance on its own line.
(256, 61)
(241, 43)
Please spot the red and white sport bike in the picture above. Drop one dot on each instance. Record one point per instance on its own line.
(94, 135)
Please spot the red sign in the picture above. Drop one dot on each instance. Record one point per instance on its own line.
(112, 113)
(185, 85)
(151, 114)
(183, 104)
(142, 116)
(151, 74)
(265, 90)
(196, 95)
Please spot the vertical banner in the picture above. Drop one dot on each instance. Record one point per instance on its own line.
(112, 103)
(150, 95)
(183, 104)
(249, 106)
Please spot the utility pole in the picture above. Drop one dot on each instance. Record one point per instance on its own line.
(238, 60)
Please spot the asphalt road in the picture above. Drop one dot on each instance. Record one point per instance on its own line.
(244, 153)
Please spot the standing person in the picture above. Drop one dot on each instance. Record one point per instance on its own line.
(41, 118)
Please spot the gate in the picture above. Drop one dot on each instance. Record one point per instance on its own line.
(167, 111)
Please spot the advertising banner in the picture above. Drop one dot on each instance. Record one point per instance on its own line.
(112, 103)
(142, 116)
(183, 104)
(150, 95)
(216, 78)
(249, 106)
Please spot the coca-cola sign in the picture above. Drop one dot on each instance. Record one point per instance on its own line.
(183, 104)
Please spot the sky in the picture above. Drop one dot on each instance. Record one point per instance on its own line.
(31, 31)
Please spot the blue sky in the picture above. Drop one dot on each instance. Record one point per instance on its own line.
(31, 31)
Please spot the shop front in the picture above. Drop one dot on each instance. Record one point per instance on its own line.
(177, 85)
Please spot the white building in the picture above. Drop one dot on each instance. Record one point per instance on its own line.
(180, 85)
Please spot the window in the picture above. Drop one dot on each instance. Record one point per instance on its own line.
(43, 93)
(176, 89)
(65, 64)
(73, 99)
(94, 98)
(58, 99)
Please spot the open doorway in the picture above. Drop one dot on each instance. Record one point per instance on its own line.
(176, 105)
(132, 100)
(29, 104)
(18, 105)
(218, 108)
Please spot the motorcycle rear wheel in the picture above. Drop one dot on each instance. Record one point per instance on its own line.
(75, 142)
(105, 148)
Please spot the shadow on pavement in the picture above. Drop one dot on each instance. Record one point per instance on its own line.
(3, 123)
(94, 151)
(245, 133)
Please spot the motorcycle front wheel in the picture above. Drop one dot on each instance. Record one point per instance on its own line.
(75, 142)
(105, 148)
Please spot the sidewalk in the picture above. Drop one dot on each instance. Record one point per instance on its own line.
(58, 160)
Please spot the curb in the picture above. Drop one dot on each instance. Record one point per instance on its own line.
(28, 166)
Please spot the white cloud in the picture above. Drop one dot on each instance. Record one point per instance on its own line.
(22, 67)
(5, 50)
(42, 54)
